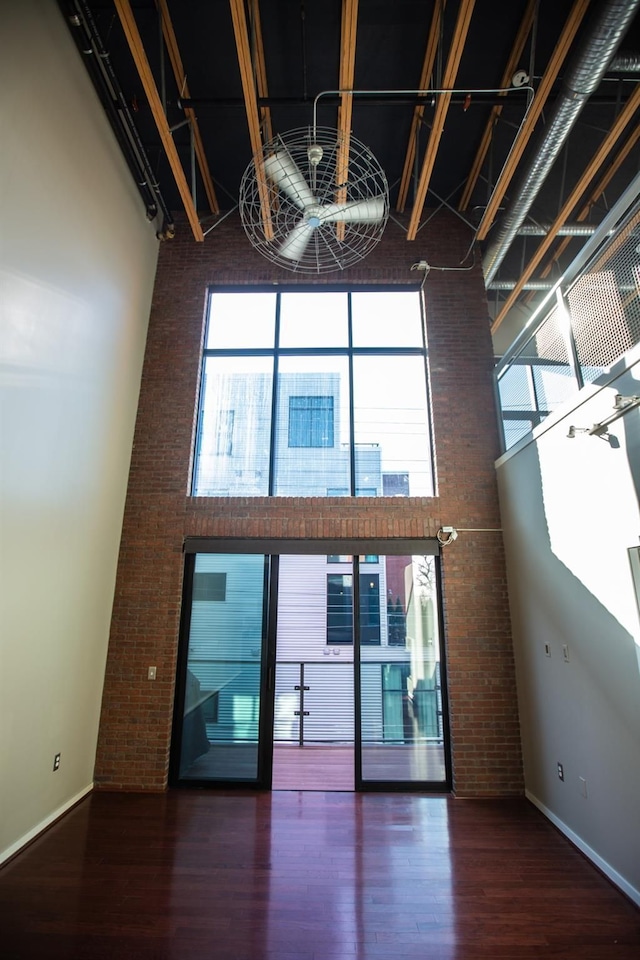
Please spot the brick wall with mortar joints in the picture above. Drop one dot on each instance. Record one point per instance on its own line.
(136, 718)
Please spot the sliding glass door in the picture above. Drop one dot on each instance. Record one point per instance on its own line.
(323, 669)
(222, 707)
(402, 733)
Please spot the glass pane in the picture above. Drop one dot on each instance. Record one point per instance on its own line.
(241, 320)
(232, 458)
(387, 319)
(402, 727)
(222, 696)
(392, 445)
(339, 608)
(316, 319)
(314, 688)
(312, 434)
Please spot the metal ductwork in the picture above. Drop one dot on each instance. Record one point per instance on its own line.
(569, 230)
(625, 63)
(529, 285)
(587, 67)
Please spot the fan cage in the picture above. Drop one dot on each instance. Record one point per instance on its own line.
(332, 246)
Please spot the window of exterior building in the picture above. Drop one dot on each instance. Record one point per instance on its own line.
(320, 393)
(340, 608)
(210, 586)
(224, 433)
(310, 421)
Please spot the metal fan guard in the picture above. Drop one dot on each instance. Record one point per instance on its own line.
(329, 249)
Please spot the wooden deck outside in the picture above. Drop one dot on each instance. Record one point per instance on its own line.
(325, 767)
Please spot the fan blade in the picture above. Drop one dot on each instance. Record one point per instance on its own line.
(296, 243)
(358, 211)
(280, 168)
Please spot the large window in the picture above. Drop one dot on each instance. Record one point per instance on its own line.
(319, 393)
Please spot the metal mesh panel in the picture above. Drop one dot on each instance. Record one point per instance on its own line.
(605, 304)
(537, 382)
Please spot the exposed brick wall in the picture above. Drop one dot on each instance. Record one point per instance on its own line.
(133, 747)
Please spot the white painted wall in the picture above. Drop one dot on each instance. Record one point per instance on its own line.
(77, 264)
(570, 514)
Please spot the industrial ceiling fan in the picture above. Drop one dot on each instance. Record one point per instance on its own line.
(313, 201)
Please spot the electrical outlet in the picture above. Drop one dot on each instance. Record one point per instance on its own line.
(56, 761)
(151, 674)
(560, 772)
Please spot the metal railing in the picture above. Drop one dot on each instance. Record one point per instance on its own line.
(587, 321)
(314, 703)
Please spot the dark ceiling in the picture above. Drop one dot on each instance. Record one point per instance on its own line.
(306, 51)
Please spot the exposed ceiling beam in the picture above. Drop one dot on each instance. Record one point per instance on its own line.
(146, 77)
(624, 118)
(181, 81)
(418, 113)
(512, 63)
(524, 135)
(440, 113)
(261, 68)
(251, 106)
(595, 195)
(346, 81)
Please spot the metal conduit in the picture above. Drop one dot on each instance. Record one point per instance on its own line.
(588, 66)
(81, 18)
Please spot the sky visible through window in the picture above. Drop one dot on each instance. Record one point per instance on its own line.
(364, 352)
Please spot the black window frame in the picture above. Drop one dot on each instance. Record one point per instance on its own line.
(276, 352)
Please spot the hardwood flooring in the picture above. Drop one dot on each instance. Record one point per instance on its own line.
(308, 876)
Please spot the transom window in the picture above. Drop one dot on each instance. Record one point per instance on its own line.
(314, 393)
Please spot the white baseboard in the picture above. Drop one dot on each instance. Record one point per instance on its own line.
(595, 858)
(32, 834)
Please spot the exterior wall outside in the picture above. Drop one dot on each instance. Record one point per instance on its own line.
(570, 511)
(77, 265)
(137, 714)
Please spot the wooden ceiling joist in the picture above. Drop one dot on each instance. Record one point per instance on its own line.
(558, 57)
(595, 195)
(243, 48)
(181, 81)
(345, 82)
(261, 68)
(624, 118)
(418, 113)
(514, 59)
(440, 113)
(134, 40)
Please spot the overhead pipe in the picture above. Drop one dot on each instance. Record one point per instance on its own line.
(529, 285)
(92, 47)
(586, 70)
(568, 230)
(546, 285)
(625, 62)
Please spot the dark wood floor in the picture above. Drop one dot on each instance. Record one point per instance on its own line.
(308, 876)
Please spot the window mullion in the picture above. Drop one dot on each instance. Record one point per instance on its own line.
(274, 399)
(352, 445)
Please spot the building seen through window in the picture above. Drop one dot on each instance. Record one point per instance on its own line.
(314, 394)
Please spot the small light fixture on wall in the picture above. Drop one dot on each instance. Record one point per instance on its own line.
(621, 405)
(446, 535)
